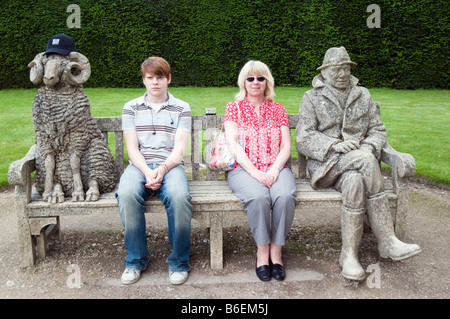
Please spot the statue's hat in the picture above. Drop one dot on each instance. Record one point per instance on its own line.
(336, 56)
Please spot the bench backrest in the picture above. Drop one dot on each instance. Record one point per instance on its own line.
(203, 132)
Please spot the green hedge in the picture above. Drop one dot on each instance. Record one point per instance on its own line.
(208, 41)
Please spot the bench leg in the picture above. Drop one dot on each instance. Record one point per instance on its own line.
(27, 245)
(42, 239)
(43, 228)
(216, 240)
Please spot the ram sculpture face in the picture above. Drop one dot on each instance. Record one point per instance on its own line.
(51, 69)
(72, 155)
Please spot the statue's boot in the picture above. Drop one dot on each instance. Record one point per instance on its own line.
(352, 229)
(380, 218)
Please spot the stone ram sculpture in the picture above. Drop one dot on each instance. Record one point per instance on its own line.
(72, 159)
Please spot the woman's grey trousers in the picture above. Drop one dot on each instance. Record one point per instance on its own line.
(270, 211)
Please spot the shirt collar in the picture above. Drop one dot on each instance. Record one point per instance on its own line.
(170, 101)
(264, 104)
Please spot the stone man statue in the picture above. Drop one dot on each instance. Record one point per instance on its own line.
(341, 133)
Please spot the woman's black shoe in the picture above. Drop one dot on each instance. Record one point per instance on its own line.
(263, 273)
(277, 271)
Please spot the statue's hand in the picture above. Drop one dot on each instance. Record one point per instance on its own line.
(345, 147)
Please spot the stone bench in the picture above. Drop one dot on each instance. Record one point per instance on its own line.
(213, 201)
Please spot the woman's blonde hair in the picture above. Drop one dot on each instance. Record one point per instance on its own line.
(258, 68)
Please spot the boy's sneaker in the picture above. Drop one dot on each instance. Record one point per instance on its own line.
(178, 277)
(130, 276)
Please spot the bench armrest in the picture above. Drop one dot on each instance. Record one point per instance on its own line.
(403, 164)
(19, 171)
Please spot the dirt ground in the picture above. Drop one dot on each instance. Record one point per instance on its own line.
(87, 261)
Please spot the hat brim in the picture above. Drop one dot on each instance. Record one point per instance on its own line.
(58, 51)
(332, 64)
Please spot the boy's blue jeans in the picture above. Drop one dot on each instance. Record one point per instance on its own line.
(174, 194)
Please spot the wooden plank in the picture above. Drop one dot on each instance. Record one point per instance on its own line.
(213, 193)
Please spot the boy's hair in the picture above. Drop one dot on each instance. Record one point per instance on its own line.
(156, 66)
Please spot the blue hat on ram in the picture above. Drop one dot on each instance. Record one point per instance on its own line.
(60, 44)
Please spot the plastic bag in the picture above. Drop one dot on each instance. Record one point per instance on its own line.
(221, 158)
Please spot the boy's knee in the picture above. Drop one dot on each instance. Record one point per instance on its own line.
(126, 195)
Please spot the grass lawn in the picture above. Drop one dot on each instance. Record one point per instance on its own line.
(417, 121)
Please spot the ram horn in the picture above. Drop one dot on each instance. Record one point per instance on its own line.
(78, 70)
(37, 69)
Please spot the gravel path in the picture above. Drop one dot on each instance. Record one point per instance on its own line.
(88, 260)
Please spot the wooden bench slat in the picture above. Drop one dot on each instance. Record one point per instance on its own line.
(214, 192)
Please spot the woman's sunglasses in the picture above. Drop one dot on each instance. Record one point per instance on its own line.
(259, 78)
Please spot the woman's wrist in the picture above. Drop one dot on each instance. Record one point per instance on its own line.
(277, 168)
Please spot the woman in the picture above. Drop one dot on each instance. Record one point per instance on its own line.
(258, 135)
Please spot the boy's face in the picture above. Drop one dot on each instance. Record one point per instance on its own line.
(157, 87)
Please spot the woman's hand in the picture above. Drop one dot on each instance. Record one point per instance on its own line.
(274, 172)
(263, 178)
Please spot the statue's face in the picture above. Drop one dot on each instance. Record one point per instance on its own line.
(54, 67)
(338, 76)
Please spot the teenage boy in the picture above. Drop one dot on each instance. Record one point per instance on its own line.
(156, 128)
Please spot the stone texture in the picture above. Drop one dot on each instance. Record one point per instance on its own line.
(72, 156)
(341, 132)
